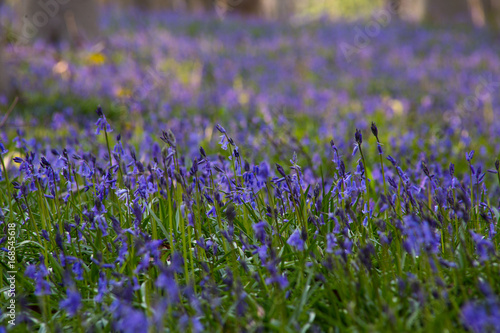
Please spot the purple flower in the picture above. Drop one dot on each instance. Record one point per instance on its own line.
(392, 160)
(485, 248)
(167, 282)
(262, 252)
(279, 280)
(260, 231)
(379, 148)
(220, 129)
(102, 124)
(263, 171)
(3, 150)
(482, 317)
(102, 288)
(103, 225)
(468, 156)
(45, 235)
(131, 320)
(72, 303)
(78, 270)
(223, 142)
(39, 273)
(178, 262)
(358, 137)
(185, 322)
(296, 241)
(420, 235)
(331, 243)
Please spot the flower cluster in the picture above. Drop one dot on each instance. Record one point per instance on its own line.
(295, 213)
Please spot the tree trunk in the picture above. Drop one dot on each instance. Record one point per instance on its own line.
(447, 11)
(57, 20)
(492, 13)
(437, 11)
(279, 9)
(244, 7)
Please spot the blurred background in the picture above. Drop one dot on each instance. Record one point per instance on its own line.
(281, 73)
(212, 55)
(56, 21)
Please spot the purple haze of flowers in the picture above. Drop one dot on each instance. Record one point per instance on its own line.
(296, 241)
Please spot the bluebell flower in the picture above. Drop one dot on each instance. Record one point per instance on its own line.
(420, 235)
(78, 270)
(143, 264)
(358, 137)
(482, 317)
(186, 322)
(131, 320)
(39, 273)
(262, 252)
(167, 282)
(177, 263)
(331, 242)
(220, 129)
(102, 288)
(241, 304)
(72, 303)
(345, 248)
(296, 241)
(281, 170)
(223, 142)
(379, 149)
(392, 160)
(278, 279)
(122, 253)
(45, 235)
(102, 124)
(30, 271)
(485, 248)
(355, 150)
(468, 156)
(374, 129)
(42, 287)
(260, 230)
(3, 150)
(263, 171)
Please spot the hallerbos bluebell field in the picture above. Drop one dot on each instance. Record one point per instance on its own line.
(250, 191)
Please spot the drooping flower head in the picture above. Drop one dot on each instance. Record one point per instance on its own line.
(296, 241)
(102, 124)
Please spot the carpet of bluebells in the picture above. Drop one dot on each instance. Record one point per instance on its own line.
(197, 174)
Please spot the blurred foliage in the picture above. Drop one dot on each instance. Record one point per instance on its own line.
(353, 9)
